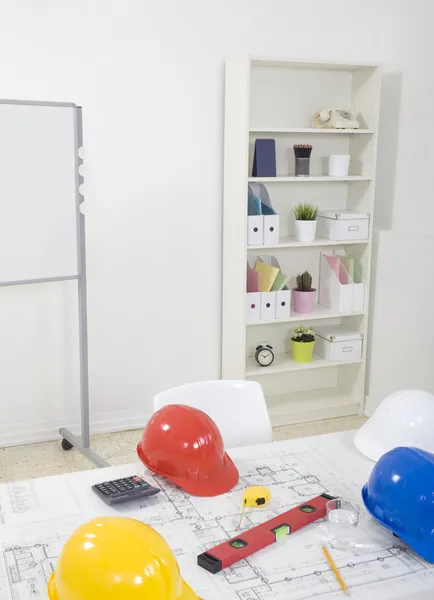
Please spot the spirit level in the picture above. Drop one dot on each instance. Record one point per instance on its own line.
(226, 554)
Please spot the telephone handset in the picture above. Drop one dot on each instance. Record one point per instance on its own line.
(336, 118)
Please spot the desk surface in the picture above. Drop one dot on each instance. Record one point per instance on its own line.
(37, 516)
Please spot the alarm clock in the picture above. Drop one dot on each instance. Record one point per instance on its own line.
(264, 354)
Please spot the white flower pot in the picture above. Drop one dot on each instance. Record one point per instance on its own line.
(339, 165)
(305, 231)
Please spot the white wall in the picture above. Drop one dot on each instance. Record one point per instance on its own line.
(149, 76)
(402, 323)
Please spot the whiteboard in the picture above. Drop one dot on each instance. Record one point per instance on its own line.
(38, 191)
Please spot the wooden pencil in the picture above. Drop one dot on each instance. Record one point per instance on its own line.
(335, 570)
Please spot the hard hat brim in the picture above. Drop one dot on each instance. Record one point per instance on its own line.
(424, 549)
(365, 442)
(222, 482)
(187, 593)
(219, 482)
(51, 588)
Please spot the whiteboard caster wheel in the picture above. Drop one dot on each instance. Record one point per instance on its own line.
(66, 445)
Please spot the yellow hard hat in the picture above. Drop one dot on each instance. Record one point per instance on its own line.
(114, 558)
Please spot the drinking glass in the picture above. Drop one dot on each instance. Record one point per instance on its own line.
(342, 521)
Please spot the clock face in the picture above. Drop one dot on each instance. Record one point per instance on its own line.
(265, 357)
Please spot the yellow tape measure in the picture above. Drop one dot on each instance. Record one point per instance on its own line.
(255, 495)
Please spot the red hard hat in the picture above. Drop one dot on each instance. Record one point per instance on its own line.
(185, 445)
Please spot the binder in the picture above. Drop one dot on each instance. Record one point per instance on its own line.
(271, 230)
(253, 307)
(255, 230)
(283, 304)
(264, 159)
(262, 219)
(268, 306)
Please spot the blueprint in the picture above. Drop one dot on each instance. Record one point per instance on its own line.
(380, 567)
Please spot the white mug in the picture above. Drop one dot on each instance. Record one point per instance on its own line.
(339, 165)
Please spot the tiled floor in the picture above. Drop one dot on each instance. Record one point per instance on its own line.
(39, 460)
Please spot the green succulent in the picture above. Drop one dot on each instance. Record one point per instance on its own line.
(305, 212)
(303, 334)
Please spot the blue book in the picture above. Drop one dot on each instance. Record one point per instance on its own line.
(264, 160)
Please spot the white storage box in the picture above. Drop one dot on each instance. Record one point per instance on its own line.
(338, 343)
(342, 225)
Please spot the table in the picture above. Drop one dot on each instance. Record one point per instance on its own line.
(37, 516)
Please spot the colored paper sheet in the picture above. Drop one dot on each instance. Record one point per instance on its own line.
(254, 204)
(334, 262)
(259, 190)
(344, 278)
(348, 263)
(267, 275)
(280, 282)
(358, 273)
(252, 280)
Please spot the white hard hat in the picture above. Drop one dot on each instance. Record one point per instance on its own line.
(405, 418)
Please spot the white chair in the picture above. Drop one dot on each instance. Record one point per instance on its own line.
(237, 407)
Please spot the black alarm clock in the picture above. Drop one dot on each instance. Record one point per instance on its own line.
(264, 354)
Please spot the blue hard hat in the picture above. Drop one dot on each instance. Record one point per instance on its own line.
(400, 495)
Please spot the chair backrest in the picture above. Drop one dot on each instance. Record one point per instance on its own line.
(237, 407)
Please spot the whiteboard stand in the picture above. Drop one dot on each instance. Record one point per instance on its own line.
(35, 125)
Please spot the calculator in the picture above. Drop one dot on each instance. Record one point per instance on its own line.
(124, 490)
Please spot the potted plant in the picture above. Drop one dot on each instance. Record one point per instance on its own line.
(303, 342)
(304, 294)
(305, 215)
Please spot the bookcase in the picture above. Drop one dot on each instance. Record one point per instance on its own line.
(278, 99)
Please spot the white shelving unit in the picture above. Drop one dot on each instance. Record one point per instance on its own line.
(278, 99)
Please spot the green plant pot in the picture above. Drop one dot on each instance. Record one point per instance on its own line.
(302, 352)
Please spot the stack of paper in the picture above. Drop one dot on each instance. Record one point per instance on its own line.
(266, 277)
(268, 297)
(259, 202)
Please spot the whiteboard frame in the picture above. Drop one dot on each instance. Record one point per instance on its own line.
(81, 442)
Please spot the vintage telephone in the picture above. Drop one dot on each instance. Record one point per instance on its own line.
(336, 118)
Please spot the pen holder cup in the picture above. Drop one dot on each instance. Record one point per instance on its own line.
(302, 167)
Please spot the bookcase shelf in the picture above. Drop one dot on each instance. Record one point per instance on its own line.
(291, 242)
(310, 130)
(310, 179)
(319, 313)
(278, 99)
(283, 363)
